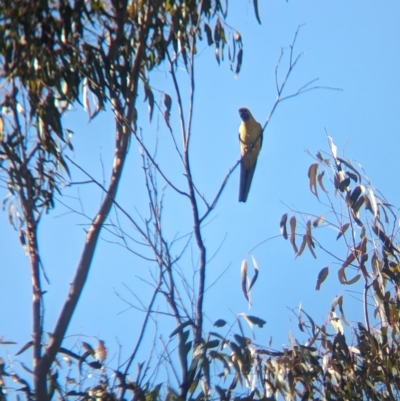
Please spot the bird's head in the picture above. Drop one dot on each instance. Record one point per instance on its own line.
(244, 113)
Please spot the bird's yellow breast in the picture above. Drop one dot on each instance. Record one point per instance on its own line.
(250, 142)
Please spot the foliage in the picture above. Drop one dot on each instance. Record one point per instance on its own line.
(327, 366)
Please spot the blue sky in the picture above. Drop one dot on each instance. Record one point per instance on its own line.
(354, 46)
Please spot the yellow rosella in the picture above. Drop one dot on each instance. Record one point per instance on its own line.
(250, 138)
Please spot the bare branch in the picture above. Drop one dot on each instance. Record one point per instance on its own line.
(281, 86)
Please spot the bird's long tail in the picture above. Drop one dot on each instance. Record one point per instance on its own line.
(246, 176)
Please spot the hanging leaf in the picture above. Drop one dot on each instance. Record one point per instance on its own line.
(217, 55)
(302, 246)
(217, 39)
(332, 147)
(1, 128)
(340, 305)
(222, 358)
(221, 392)
(239, 61)
(88, 348)
(386, 215)
(293, 234)
(342, 276)
(253, 320)
(350, 166)
(352, 176)
(24, 348)
(322, 275)
(237, 38)
(354, 279)
(30, 371)
(356, 207)
(344, 184)
(336, 324)
(254, 279)
(242, 341)
(11, 215)
(355, 194)
(243, 279)
(318, 221)
(319, 179)
(209, 34)
(232, 56)
(167, 114)
(184, 349)
(336, 301)
(85, 95)
(282, 225)
(166, 118)
(220, 323)
(385, 239)
(255, 3)
(343, 229)
(372, 202)
(311, 245)
(95, 365)
(212, 343)
(180, 328)
(5, 343)
(167, 102)
(309, 240)
(350, 259)
(149, 96)
(336, 181)
(312, 175)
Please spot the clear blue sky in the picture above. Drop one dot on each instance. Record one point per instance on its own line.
(354, 46)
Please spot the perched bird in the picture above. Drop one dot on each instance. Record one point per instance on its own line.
(250, 139)
(101, 351)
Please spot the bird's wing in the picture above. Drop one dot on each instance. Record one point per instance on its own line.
(250, 137)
